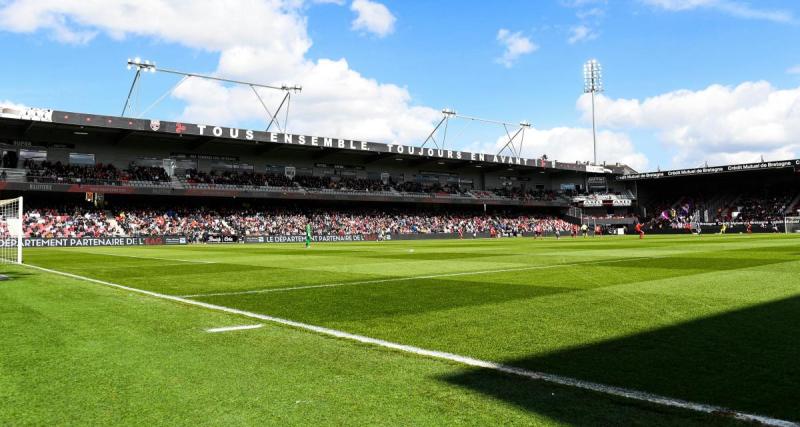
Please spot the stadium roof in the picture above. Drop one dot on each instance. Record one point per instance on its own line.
(711, 170)
(124, 127)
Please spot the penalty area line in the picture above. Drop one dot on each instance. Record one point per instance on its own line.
(234, 328)
(463, 360)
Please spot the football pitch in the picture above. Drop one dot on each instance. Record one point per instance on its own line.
(396, 332)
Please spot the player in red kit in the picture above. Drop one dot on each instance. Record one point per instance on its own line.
(639, 230)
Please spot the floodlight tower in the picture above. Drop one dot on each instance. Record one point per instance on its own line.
(593, 83)
(147, 66)
(141, 67)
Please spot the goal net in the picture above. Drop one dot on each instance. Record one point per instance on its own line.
(11, 231)
(792, 224)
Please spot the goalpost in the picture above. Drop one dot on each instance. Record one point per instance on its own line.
(791, 224)
(11, 231)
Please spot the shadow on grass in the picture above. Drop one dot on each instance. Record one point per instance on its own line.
(361, 303)
(704, 264)
(747, 360)
(11, 274)
(570, 406)
(402, 296)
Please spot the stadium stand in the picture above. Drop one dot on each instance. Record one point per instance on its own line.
(771, 205)
(46, 172)
(347, 186)
(199, 223)
(734, 207)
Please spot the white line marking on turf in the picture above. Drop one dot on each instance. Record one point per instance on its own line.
(464, 360)
(234, 328)
(405, 279)
(153, 257)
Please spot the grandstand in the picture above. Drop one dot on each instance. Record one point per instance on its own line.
(120, 163)
(760, 194)
(107, 173)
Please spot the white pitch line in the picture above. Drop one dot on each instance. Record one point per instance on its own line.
(405, 279)
(152, 257)
(464, 360)
(234, 328)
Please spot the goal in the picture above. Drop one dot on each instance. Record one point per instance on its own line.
(792, 224)
(11, 231)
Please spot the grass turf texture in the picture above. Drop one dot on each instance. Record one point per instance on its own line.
(711, 319)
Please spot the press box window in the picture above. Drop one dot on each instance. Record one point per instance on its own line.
(81, 159)
(33, 155)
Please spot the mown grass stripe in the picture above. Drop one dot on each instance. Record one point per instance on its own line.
(464, 360)
(429, 276)
(153, 258)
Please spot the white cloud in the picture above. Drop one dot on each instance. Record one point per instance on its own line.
(591, 14)
(581, 33)
(9, 104)
(714, 124)
(336, 100)
(596, 13)
(372, 17)
(571, 144)
(794, 70)
(515, 45)
(206, 25)
(739, 9)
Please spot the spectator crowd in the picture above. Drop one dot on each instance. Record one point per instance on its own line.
(107, 174)
(767, 208)
(199, 223)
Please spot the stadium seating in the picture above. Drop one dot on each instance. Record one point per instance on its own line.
(47, 172)
(764, 208)
(768, 206)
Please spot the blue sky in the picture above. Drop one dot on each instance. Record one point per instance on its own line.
(687, 81)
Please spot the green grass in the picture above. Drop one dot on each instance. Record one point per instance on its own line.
(711, 319)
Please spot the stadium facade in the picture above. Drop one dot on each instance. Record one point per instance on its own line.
(72, 138)
(76, 138)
